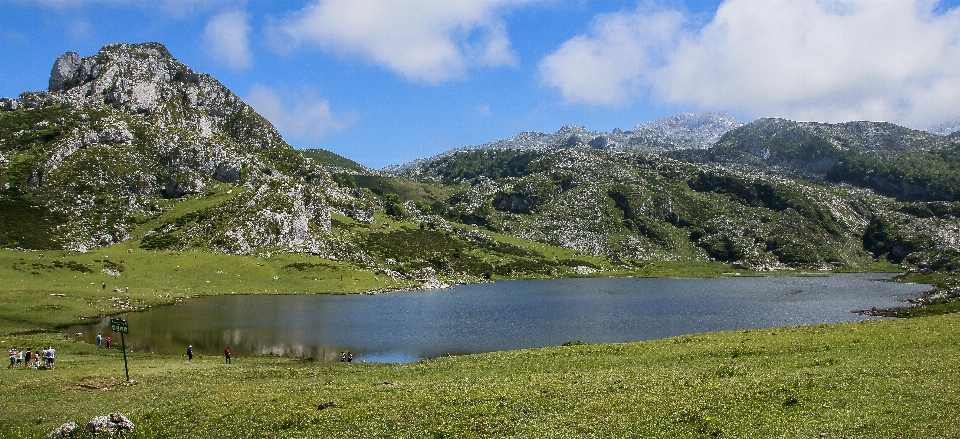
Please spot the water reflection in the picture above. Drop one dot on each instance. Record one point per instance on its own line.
(407, 326)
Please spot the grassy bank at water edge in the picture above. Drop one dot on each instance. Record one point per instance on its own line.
(877, 379)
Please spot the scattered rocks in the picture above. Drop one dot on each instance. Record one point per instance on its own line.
(63, 431)
(110, 424)
(114, 423)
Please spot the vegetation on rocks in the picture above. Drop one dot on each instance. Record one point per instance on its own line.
(135, 182)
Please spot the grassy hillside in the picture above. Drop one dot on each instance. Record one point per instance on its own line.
(332, 160)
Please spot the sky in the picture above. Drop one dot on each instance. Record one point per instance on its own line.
(388, 81)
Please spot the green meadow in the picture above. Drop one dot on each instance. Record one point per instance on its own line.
(890, 378)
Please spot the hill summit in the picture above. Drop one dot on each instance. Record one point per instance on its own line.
(123, 133)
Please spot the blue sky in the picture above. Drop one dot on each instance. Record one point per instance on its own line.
(387, 81)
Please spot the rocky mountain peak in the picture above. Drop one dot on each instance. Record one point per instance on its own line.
(150, 62)
(692, 130)
(132, 127)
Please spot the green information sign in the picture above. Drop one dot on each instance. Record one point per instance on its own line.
(119, 325)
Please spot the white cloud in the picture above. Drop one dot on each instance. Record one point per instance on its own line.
(309, 118)
(227, 39)
(824, 60)
(79, 29)
(482, 110)
(610, 65)
(424, 40)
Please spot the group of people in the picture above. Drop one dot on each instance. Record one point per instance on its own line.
(346, 356)
(34, 359)
(226, 354)
(101, 339)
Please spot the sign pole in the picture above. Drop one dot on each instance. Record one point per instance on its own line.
(124, 347)
(120, 325)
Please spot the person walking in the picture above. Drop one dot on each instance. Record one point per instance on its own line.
(99, 341)
(108, 342)
(13, 357)
(51, 357)
(226, 355)
(190, 353)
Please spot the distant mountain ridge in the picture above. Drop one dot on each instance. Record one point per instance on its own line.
(131, 146)
(681, 131)
(896, 161)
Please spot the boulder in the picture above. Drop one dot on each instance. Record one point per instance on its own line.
(511, 203)
(227, 172)
(183, 184)
(65, 71)
(63, 431)
(110, 424)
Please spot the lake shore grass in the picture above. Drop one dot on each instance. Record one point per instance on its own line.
(891, 378)
(45, 290)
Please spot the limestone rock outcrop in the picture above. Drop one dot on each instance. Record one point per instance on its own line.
(120, 131)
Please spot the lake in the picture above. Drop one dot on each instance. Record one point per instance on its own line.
(412, 325)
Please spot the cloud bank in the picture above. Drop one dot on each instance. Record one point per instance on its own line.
(301, 116)
(424, 40)
(823, 60)
(227, 39)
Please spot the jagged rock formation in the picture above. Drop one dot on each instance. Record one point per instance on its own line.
(945, 128)
(691, 130)
(679, 132)
(122, 133)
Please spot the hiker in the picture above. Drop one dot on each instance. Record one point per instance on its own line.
(19, 358)
(343, 357)
(190, 353)
(99, 341)
(226, 355)
(108, 342)
(104, 286)
(13, 357)
(349, 357)
(50, 352)
(27, 357)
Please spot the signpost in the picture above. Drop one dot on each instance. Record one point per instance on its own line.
(120, 325)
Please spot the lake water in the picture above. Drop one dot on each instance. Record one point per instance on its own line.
(407, 326)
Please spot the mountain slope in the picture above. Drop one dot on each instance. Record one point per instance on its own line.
(645, 206)
(895, 161)
(125, 133)
(131, 146)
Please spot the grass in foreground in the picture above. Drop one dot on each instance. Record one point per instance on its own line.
(876, 379)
